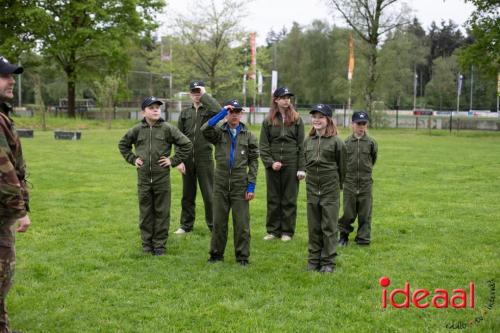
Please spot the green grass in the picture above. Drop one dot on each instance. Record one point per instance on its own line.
(80, 267)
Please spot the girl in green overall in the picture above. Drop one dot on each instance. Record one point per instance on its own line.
(281, 139)
(325, 156)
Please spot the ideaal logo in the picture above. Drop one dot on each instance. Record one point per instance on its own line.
(460, 298)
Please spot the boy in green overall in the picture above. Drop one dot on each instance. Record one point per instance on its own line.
(236, 158)
(361, 157)
(152, 139)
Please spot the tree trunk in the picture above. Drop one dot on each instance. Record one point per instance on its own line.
(371, 79)
(71, 96)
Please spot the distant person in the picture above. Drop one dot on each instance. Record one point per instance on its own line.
(13, 192)
(152, 140)
(325, 155)
(361, 157)
(200, 164)
(281, 139)
(237, 161)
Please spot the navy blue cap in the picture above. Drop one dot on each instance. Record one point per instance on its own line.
(196, 84)
(283, 91)
(149, 101)
(322, 108)
(360, 117)
(236, 105)
(7, 68)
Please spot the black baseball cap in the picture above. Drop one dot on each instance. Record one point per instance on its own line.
(7, 68)
(149, 101)
(322, 108)
(283, 91)
(196, 84)
(360, 117)
(236, 105)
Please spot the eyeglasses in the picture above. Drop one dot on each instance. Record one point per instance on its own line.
(361, 123)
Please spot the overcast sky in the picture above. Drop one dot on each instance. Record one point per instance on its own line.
(265, 15)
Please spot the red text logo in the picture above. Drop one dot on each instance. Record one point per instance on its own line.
(423, 298)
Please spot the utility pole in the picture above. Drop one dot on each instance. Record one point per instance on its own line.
(415, 83)
(471, 85)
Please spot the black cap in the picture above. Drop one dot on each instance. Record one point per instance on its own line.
(283, 91)
(360, 117)
(7, 68)
(236, 105)
(322, 108)
(196, 84)
(150, 100)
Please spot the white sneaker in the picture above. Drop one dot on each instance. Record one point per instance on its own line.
(180, 231)
(286, 238)
(269, 237)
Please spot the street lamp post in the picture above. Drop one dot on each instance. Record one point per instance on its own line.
(415, 83)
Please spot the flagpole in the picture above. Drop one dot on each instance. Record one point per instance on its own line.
(350, 72)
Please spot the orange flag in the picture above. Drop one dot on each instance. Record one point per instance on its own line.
(350, 69)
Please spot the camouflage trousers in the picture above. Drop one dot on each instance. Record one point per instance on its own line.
(7, 267)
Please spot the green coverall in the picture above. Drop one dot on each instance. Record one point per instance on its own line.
(282, 144)
(325, 168)
(361, 157)
(150, 143)
(200, 165)
(230, 186)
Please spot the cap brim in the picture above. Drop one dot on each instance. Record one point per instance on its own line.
(155, 102)
(320, 111)
(11, 69)
(360, 121)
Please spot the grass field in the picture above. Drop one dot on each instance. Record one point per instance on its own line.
(80, 267)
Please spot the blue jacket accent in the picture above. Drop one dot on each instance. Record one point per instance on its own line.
(251, 187)
(234, 141)
(218, 117)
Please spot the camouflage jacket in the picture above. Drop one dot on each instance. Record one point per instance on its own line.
(13, 191)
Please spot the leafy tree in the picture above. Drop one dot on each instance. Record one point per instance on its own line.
(370, 19)
(441, 91)
(207, 37)
(289, 63)
(484, 25)
(86, 38)
(400, 54)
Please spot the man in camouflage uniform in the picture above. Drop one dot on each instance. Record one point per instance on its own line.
(361, 157)
(13, 192)
(200, 165)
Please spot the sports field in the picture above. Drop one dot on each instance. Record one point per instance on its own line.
(80, 268)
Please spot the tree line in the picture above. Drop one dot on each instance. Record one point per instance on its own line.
(107, 50)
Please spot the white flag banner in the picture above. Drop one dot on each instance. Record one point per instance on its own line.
(274, 81)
